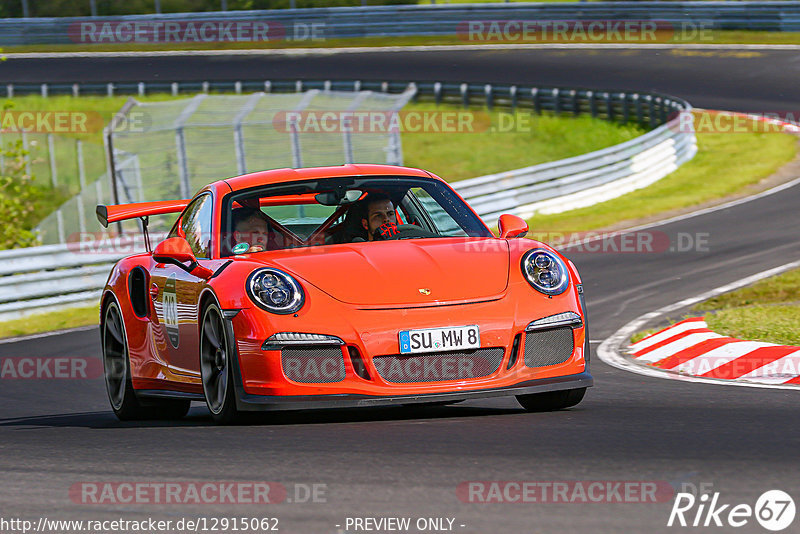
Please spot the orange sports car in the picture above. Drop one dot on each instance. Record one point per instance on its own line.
(335, 287)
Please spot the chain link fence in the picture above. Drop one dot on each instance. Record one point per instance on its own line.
(170, 149)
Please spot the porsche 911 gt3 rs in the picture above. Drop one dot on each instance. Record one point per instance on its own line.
(275, 291)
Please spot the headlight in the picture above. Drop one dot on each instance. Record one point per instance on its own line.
(275, 291)
(545, 271)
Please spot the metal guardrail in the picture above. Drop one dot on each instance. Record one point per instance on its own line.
(583, 180)
(40, 278)
(373, 21)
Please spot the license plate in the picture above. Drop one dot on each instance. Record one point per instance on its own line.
(440, 339)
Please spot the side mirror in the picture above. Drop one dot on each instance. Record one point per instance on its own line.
(511, 226)
(176, 251)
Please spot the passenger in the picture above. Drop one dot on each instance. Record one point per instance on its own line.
(252, 227)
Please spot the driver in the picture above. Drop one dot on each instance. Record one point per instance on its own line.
(380, 218)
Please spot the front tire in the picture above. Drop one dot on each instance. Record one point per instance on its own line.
(551, 400)
(216, 367)
(117, 373)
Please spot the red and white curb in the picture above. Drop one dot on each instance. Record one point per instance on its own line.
(614, 349)
(691, 348)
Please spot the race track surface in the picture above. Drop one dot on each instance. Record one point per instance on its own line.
(409, 462)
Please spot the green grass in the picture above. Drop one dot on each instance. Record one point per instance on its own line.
(725, 164)
(776, 290)
(50, 321)
(768, 310)
(534, 140)
(773, 324)
(711, 37)
(455, 155)
(65, 145)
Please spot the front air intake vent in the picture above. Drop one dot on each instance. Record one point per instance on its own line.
(438, 366)
(313, 365)
(548, 347)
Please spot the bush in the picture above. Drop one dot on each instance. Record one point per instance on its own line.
(18, 198)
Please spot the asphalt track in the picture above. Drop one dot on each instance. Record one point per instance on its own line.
(408, 462)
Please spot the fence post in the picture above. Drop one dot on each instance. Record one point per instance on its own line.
(651, 110)
(82, 182)
(10, 90)
(140, 87)
(76, 90)
(464, 95)
(60, 224)
(609, 107)
(110, 89)
(183, 165)
(556, 101)
(297, 158)
(489, 96)
(26, 148)
(626, 110)
(346, 124)
(44, 90)
(174, 88)
(512, 92)
(51, 149)
(437, 93)
(537, 104)
(637, 104)
(592, 103)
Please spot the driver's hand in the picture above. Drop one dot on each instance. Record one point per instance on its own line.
(386, 231)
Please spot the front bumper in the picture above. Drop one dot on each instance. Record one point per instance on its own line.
(247, 402)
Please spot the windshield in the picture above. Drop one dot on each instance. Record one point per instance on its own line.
(332, 211)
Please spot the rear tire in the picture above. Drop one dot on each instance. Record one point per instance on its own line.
(117, 373)
(551, 400)
(216, 367)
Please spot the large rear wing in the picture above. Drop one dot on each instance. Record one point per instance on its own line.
(121, 212)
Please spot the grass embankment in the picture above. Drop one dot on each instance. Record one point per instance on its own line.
(502, 142)
(725, 164)
(766, 311)
(50, 321)
(479, 150)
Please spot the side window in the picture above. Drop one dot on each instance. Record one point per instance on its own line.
(441, 220)
(195, 225)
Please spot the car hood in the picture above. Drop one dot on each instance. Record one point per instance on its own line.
(401, 272)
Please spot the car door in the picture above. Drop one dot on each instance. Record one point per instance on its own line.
(177, 291)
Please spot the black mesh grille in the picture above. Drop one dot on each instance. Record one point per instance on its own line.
(548, 347)
(313, 365)
(438, 366)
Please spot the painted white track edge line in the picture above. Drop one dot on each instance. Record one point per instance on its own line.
(413, 48)
(609, 349)
(47, 334)
(683, 217)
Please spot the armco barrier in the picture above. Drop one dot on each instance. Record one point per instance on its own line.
(40, 278)
(373, 21)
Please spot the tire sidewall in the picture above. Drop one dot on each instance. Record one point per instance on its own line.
(227, 411)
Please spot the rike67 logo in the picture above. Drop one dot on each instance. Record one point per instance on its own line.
(774, 510)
